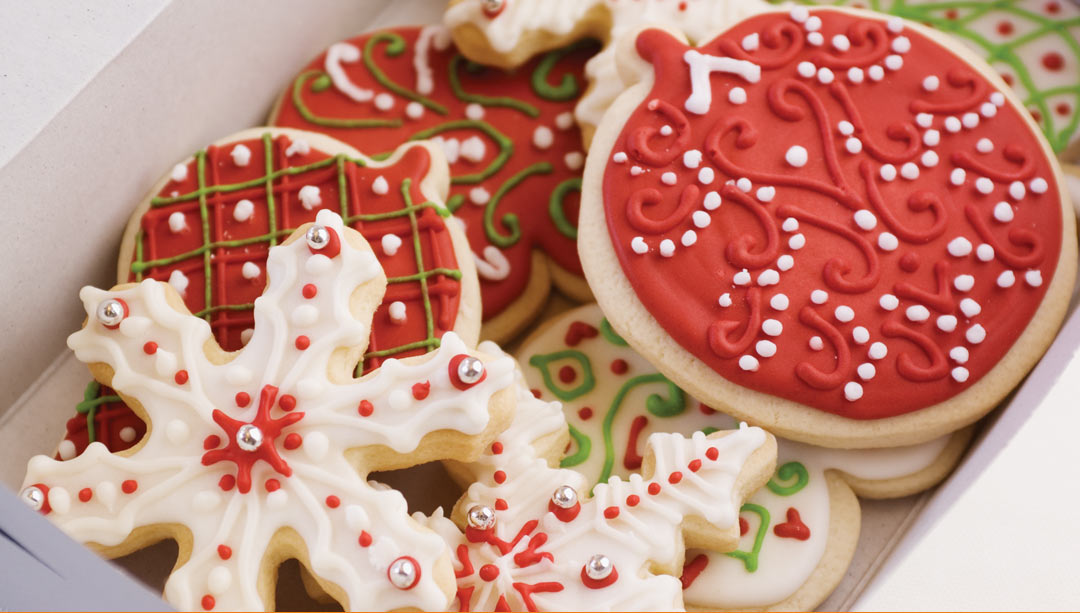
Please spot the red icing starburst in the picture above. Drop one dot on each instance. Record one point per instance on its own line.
(525, 558)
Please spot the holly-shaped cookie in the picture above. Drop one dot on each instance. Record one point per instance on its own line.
(261, 455)
(838, 225)
(514, 150)
(798, 533)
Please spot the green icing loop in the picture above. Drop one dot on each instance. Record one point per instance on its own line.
(506, 147)
(750, 558)
(655, 403)
(787, 472)
(395, 46)
(588, 380)
(320, 83)
(567, 89)
(610, 335)
(503, 101)
(89, 407)
(584, 448)
(509, 220)
(555, 207)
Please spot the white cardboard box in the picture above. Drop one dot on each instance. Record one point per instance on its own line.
(100, 98)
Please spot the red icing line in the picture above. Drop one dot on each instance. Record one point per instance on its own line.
(693, 569)
(835, 254)
(579, 331)
(632, 460)
(793, 528)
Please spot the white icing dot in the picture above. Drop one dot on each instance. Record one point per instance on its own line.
(959, 247)
(866, 371)
(564, 120)
(970, 120)
(816, 343)
(750, 42)
(853, 145)
(384, 102)
(790, 224)
(797, 241)
(737, 95)
(725, 300)
(806, 69)
(865, 219)
(768, 277)
(748, 362)
(1003, 212)
(638, 245)
(931, 83)
(380, 186)
(474, 111)
(984, 185)
(250, 270)
(860, 335)
(813, 24)
(958, 176)
(901, 44)
(66, 450)
(946, 323)
(666, 130)
(1033, 278)
(984, 252)
(619, 158)
(397, 311)
(741, 278)
(964, 283)
(1017, 190)
(970, 308)
(479, 196)
(841, 43)
(689, 237)
(543, 138)
(744, 184)
(875, 72)
(800, 13)
(917, 313)
(636, 170)
(241, 155)
(300, 146)
(825, 76)
(819, 296)
(878, 351)
(1006, 279)
(785, 262)
(179, 172)
(179, 281)
(894, 62)
(766, 194)
(692, 158)
(414, 110)
(574, 160)
(952, 124)
(887, 241)
(888, 172)
(909, 171)
(176, 431)
(987, 110)
(243, 210)
(796, 156)
(127, 433)
(929, 159)
(997, 98)
(1039, 185)
(844, 313)
(390, 243)
(975, 334)
(310, 196)
(889, 302)
(668, 178)
(846, 128)
(706, 175)
(59, 499)
(852, 391)
(712, 201)
(895, 25)
(815, 39)
(960, 374)
(924, 120)
(667, 248)
(984, 145)
(765, 349)
(701, 219)
(959, 354)
(177, 223)
(779, 302)
(931, 138)
(855, 74)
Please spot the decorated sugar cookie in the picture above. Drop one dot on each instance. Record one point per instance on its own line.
(514, 150)
(261, 455)
(532, 540)
(1030, 43)
(210, 221)
(852, 235)
(509, 32)
(798, 533)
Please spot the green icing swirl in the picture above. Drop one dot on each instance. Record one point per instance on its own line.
(787, 472)
(567, 89)
(509, 220)
(503, 101)
(395, 46)
(584, 448)
(556, 210)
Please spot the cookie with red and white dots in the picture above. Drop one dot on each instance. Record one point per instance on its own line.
(260, 455)
(851, 233)
(1030, 43)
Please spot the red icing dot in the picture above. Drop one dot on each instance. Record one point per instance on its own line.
(211, 441)
(272, 485)
(496, 448)
(1053, 61)
(85, 494)
(535, 393)
(1005, 28)
(150, 348)
(712, 453)
(242, 399)
(333, 501)
(1008, 78)
(287, 402)
(654, 488)
(951, 14)
(293, 440)
(309, 291)
(365, 538)
(227, 482)
(181, 377)
(208, 602)
(632, 500)
(567, 374)
(584, 413)
(421, 390)
(501, 505)
(682, 6)
(129, 486)
(366, 408)
(1053, 8)
(611, 512)
(1063, 109)
(909, 262)
(619, 366)
(489, 572)
(706, 409)
(694, 465)
(302, 342)
(1036, 115)
(674, 477)
(499, 476)
(744, 526)
(224, 552)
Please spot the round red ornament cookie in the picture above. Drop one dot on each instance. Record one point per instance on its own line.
(837, 225)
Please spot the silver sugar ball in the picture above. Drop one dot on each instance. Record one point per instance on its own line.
(598, 567)
(317, 237)
(481, 517)
(249, 437)
(565, 497)
(492, 5)
(33, 497)
(110, 312)
(403, 573)
(470, 370)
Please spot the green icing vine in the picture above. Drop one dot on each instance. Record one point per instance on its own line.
(89, 406)
(656, 404)
(787, 472)
(588, 380)
(506, 147)
(750, 558)
(320, 83)
(509, 220)
(567, 89)
(503, 101)
(395, 46)
(556, 210)
(610, 334)
(584, 448)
